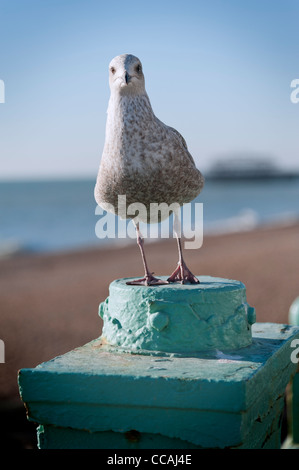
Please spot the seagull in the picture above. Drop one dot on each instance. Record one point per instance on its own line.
(145, 160)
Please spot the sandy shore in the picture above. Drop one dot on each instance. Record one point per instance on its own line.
(49, 303)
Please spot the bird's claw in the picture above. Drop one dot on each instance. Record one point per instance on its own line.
(148, 280)
(183, 275)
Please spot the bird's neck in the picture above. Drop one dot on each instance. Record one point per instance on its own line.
(122, 109)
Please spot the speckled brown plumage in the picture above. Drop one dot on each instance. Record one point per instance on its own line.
(143, 158)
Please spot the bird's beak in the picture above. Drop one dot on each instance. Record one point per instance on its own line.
(127, 78)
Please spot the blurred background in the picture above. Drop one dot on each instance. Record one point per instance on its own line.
(220, 72)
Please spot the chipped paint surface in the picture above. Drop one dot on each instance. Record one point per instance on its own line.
(178, 318)
(214, 399)
(95, 395)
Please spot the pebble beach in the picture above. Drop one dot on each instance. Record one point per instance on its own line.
(49, 302)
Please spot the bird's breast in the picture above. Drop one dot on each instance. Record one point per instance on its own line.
(144, 161)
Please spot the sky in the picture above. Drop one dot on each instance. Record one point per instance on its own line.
(219, 71)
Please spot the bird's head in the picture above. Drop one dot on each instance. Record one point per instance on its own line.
(126, 75)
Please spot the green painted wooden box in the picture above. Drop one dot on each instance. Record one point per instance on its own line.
(93, 397)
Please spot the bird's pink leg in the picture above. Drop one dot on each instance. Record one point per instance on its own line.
(148, 279)
(182, 273)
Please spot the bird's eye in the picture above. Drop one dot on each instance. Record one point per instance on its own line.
(138, 68)
(112, 70)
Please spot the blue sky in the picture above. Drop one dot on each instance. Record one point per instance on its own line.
(218, 71)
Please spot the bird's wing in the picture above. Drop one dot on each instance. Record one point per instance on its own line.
(183, 142)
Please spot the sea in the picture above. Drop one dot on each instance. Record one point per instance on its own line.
(58, 215)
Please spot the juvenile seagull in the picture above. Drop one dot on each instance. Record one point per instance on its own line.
(143, 159)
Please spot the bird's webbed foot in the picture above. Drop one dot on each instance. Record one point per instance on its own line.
(183, 275)
(148, 280)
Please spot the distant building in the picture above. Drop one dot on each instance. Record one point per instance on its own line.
(240, 168)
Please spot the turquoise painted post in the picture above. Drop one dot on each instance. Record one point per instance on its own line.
(148, 389)
(294, 312)
(294, 320)
(295, 409)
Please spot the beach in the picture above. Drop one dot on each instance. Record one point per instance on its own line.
(49, 302)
